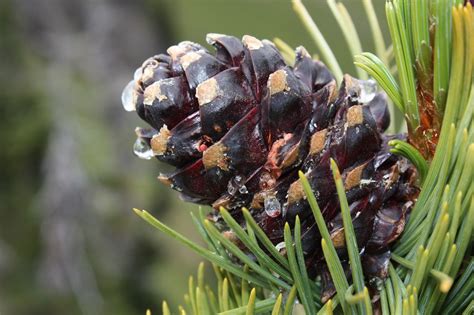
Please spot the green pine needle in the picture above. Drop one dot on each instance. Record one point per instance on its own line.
(421, 35)
(401, 44)
(302, 267)
(251, 304)
(319, 40)
(211, 256)
(374, 66)
(243, 257)
(165, 309)
(333, 262)
(349, 233)
(349, 31)
(377, 35)
(254, 247)
(263, 238)
(290, 301)
(412, 154)
(277, 306)
(442, 50)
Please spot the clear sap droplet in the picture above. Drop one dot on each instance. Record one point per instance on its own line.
(235, 184)
(284, 210)
(239, 180)
(280, 246)
(243, 190)
(272, 206)
(137, 74)
(368, 89)
(142, 149)
(128, 97)
(231, 189)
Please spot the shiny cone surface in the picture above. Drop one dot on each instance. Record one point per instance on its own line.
(240, 123)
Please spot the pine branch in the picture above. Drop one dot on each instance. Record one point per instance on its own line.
(425, 274)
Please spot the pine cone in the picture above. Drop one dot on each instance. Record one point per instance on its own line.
(238, 125)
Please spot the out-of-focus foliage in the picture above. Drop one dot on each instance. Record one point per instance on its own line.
(69, 243)
(192, 20)
(68, 178)
(24, 125)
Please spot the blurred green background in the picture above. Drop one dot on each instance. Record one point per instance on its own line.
(69, 242)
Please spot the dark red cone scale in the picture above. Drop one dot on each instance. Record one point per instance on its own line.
(240, 123)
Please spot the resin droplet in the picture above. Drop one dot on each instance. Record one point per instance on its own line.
(128, 97)
(142, 149)
(235, 184)
(368, 89)
(138, 74)
(231, 189)
(280, 246)
(272, 206)
(243, 190)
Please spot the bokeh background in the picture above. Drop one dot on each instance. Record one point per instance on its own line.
(69, 242)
